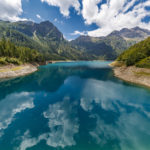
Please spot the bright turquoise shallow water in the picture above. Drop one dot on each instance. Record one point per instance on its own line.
(73, 106)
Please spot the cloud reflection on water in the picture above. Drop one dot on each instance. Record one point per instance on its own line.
(126, 128)
(85, 109)
(15, 103)
(62, 123)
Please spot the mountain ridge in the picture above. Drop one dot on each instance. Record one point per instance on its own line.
(44, 37)
(47, 39)
(118, 41)
(132, 33)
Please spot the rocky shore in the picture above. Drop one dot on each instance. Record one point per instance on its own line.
(11, 71)
(133, 74)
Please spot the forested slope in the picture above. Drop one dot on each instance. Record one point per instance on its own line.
(11, 54)
(138, 55)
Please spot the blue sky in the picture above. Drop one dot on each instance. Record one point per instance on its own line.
(67, 25)
(80, 17)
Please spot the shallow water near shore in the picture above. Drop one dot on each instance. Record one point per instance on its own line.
(73, 106)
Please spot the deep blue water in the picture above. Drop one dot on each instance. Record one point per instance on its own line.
(73, 106)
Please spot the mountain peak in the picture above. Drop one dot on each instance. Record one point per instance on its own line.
(46, 28)
(47, 22)
(125, 30)
(135, 33)
(137, 28)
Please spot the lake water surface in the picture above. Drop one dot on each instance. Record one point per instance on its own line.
(73, 106)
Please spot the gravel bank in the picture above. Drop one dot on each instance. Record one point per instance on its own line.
(133, 74)
(11, 71)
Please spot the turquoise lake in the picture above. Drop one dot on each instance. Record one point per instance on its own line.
(73, 106)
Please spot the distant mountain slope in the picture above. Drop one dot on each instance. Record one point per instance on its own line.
(47, 39)
(113, 44)
(94, 46)
(44, 37)
(43, 30)
(136, 34)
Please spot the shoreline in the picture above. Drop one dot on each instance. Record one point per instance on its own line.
(58, 61)
(12, 71)
(132, 74)
(62, 61)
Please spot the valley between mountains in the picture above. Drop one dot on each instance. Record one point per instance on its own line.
(29, 44)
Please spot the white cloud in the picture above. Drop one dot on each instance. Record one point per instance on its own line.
(79, 33)
(126, 130)
(98, 97)
(28, 141)
(64, 5)
(125, 127)
(111, 99)
(70, 40)
(57, 21)
(38, 16)
(114, 15)
(10, 10)
(15, 103)
(61, 124)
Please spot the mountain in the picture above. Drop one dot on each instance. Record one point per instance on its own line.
(138, 55)
(134, 34)
(94, 46)
(111, 45)
(11, 54)
(44, 37)
(49, 41)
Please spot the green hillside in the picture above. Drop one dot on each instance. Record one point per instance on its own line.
(44, 37)
(138, 55)
(94, 46)
(11, 54)
(109, 47)
(48, 40)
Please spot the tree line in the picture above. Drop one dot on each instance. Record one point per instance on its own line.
(10, 53)
(138, 55)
